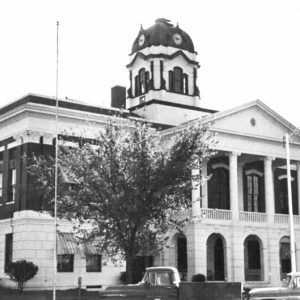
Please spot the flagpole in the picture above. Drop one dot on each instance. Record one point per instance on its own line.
(56, 171)
(290, 203)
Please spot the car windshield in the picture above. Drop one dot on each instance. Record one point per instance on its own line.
(286, 282)
(159, 278)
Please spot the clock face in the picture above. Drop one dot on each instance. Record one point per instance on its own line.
(177, 39)
(141, 40)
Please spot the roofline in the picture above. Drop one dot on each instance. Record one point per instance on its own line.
(79, 106)
(63, 103)
(166, 103)
(161, 268)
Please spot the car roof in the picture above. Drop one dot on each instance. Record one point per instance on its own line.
(162, 269)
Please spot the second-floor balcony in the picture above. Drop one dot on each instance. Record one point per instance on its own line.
(210, 216)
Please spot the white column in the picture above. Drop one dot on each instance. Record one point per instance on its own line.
(298, 185)
(233, 184)
(195, 192)
(269, 188)
(204, 185)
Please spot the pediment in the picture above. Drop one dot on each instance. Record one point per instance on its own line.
(253, 119)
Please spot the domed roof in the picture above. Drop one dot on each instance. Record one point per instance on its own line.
(163, 33)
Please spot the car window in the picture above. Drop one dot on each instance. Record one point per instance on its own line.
(160, 278)
(163, 279)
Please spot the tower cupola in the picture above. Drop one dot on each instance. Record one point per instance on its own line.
(163, 74)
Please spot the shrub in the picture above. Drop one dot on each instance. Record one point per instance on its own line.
(21, 271)
(123, 278)
(198, 278)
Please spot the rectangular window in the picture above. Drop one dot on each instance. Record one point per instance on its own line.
(65, 263)
(11, 195)
(93, 263)
(8, 250)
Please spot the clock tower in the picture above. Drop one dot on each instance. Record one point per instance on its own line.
(163, 75)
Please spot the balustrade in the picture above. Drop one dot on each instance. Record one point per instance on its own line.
(256, 217)
(284, 219)
(216, 214)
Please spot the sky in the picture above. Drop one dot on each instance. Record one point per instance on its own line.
(247, 49)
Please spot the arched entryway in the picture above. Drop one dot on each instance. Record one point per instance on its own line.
(180, 246)
(284, 256)
(253, 258)
(216, 254)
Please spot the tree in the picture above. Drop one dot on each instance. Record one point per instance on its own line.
(21, 271)
(130, 184)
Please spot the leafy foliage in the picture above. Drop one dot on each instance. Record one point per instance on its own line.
(21, 271)
(128, 185)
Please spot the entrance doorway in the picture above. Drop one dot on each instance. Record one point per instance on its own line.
(253, 258)
(216, 268)
(182, 255)
(285, 256)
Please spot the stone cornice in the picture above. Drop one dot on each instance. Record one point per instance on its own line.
(162, 55)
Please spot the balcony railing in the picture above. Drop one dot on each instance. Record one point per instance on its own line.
(245, 216)
(216, 214)
(284, 219)
(253, 217)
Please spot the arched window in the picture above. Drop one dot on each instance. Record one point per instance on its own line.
(281, 192)
(285, 257)
(141, 82)
(254, 198)
(253, 259)
(179, 254)
(178, 81)
(216, 257)
(253, 187)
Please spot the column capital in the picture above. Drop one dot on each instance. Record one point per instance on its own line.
(269, 158)
(234, 153)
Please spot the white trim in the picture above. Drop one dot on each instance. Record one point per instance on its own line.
(11, 202)
(255, 172)
(284, 176)
(220, 165)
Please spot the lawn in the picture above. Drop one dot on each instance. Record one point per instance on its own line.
(9, 294)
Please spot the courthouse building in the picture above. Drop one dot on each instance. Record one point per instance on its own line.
(242, 227)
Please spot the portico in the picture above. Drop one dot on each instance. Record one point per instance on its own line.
(241, 210)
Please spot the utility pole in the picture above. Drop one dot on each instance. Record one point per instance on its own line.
(290, 202)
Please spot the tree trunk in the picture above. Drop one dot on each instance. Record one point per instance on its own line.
(129, 269)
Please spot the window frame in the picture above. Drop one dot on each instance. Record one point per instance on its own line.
(93, 268)
(8, 254)
(11, 185)
(63, 269)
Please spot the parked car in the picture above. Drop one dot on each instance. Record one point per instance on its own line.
(163, 283)
(290, 290)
